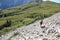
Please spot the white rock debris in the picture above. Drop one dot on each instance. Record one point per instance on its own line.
(35, 32)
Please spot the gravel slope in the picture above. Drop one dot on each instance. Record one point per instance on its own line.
(35, 32)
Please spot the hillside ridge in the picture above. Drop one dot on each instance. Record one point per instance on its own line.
(16, 17)
(34, 30)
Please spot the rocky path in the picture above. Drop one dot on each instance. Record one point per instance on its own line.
(35, 32)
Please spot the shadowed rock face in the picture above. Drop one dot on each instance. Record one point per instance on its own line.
(35, 32)
(10, 3)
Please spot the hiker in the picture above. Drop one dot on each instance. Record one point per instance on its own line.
(41, 24)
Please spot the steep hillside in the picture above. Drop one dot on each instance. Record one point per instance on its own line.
(34, 31)
(26, 14)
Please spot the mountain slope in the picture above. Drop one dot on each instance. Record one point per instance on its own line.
(51, 31)
(4, 4)
(26, 14)
(10, 3)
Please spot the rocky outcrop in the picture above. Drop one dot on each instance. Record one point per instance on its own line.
(51, 31)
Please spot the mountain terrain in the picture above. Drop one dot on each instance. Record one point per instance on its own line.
(34, 31)
(4, 4)
(16, 17)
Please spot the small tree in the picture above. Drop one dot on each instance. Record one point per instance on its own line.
(8, 23)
